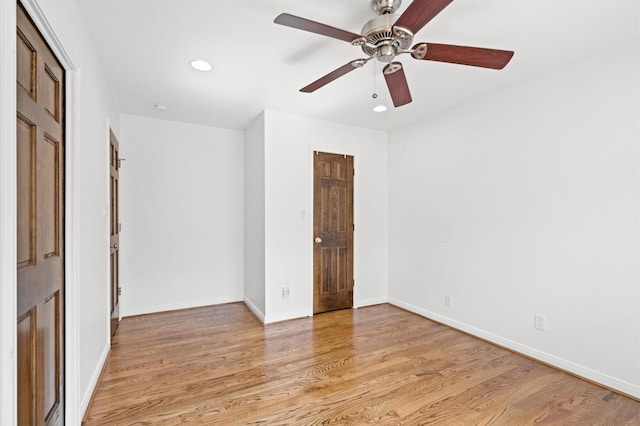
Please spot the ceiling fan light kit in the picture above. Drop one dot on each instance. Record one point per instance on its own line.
(200, 65)
(388, 36)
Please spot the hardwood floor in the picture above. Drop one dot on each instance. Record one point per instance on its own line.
(376, 365)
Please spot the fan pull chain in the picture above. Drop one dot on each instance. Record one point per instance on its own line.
(374, 95)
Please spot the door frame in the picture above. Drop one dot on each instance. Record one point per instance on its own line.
(332, 149)
(8, 204)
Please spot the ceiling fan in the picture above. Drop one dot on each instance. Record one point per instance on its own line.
(389, 35)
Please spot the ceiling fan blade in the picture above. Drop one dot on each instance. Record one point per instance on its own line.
(464, 55)
(419, 13)
(333, 75)
(397, 84)
(315, 27)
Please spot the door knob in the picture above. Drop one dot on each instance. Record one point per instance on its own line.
(318, 240)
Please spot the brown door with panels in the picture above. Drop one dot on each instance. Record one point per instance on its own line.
(40, 232)
(333, 232)
(114, 167)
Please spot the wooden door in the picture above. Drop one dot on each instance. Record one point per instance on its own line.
(114, 167)
(40, 232)
(333, 232)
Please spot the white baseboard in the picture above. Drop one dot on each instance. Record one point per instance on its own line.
(95, 377)
(370, 302)
(301, 313)
(152, 309)
(285, 316)
(254, 309)
(563, 364)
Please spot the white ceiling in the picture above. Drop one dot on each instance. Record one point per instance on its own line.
(146, 46)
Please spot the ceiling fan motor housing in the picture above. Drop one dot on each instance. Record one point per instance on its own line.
(382, 7)
(383, 41)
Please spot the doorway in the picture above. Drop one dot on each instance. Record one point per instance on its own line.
(333, 230)
(114, 232)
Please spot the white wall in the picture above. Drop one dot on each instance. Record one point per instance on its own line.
(182, 215)
(527, 202)
(87, 243)
(254, 216)
(290, 142)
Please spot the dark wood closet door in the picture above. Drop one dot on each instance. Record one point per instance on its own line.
(333, 232)
(40, 233)
(114, 167)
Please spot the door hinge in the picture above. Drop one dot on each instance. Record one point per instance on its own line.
(119, 291)
(119, 227)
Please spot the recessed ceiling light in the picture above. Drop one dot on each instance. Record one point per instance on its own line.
(201, 65)
(379, 108)
(161, 107)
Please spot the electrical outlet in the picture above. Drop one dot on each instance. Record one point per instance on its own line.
(285, 292)
(448, 300)
(540, 322)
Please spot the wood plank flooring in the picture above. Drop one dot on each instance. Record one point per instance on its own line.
(378, 365)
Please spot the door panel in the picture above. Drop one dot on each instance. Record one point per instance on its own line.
(26, 58)
(50, 92)
(26, 139)
(49, 197)
(333, 232)
(50, 342)
(40, 233)
(26, 385)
